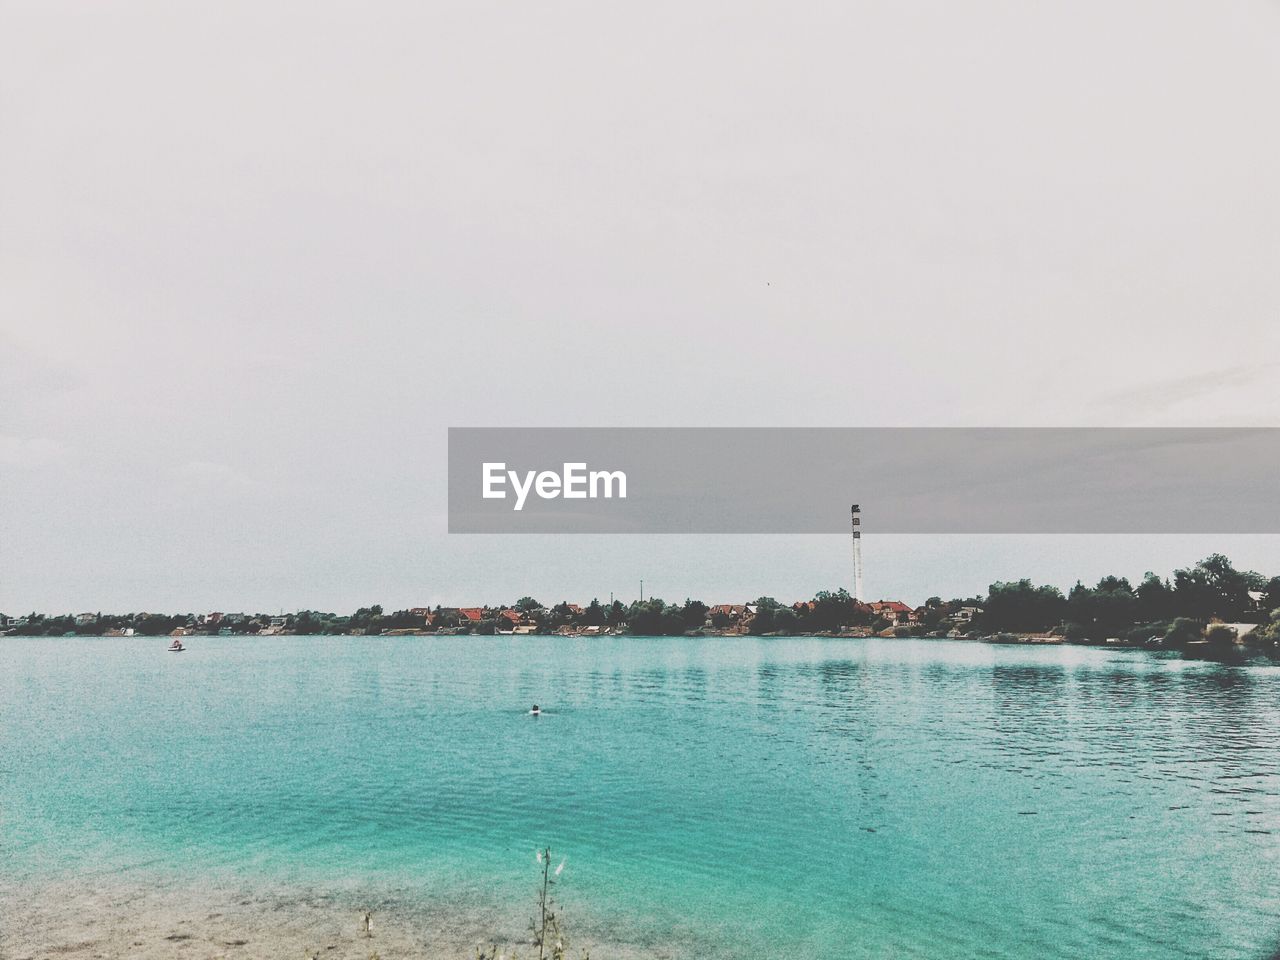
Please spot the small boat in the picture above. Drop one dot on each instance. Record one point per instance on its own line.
(176, 646)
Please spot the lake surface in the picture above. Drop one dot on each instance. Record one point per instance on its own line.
(718, 797)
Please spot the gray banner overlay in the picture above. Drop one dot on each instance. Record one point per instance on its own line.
(906, 480)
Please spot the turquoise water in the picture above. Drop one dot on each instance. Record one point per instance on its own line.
(733, 797)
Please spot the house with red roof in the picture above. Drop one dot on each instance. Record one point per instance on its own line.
(895, 611)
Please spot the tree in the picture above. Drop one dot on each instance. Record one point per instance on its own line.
(785, 620)
(1181, 632)
(308, 623)
(1103, 611)
(527, 604)
(156, 624)
(1212, 588)
(1271, 594)
(933, 613)
(617, 614)
(1115, 606)
(1155, 598)
(1021, 607)
(835, 611)
(766, 618)
(594, 615)
(654, 618)
(1267, 635)
(693, 614)
(365, 616)
(562, 614)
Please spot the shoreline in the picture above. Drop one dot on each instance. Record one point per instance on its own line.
(92, 919)
(997, 639)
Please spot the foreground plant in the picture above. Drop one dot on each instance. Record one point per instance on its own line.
(547, 925)
(545, 929)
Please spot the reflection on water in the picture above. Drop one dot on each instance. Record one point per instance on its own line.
(839, 798)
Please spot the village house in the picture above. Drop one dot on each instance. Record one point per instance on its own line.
(734, 611)
(895, 611)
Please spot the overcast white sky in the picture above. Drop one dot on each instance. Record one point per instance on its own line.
(255, 258)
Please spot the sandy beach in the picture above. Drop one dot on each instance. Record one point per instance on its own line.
(207, 922)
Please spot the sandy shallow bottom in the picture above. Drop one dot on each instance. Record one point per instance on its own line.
(198, 922)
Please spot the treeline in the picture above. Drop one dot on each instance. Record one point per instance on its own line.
(830, 611)
(1155, 609)
(1158, 611)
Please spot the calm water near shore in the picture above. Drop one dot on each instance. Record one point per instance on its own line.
(715, 797)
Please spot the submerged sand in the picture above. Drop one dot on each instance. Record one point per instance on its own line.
(108, 919)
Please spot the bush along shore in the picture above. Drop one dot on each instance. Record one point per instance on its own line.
(1209, 609)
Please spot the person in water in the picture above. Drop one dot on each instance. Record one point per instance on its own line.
(536, 710)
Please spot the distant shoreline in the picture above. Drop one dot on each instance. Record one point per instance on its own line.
(1209, 608)
(1195, 649)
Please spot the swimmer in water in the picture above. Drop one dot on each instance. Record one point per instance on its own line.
(536, 710)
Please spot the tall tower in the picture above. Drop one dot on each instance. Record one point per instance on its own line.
(856, 523)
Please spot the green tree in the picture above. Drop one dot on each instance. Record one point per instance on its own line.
(308, 623)
(594, 615)
(1021, 607)
(1155, 598)
(1181, 632)
(693, 614)
(654, 618)
(834, 611)
(1271, 595)
(766, 618)
(617, 614)
(1212, 588)
(785, 620)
